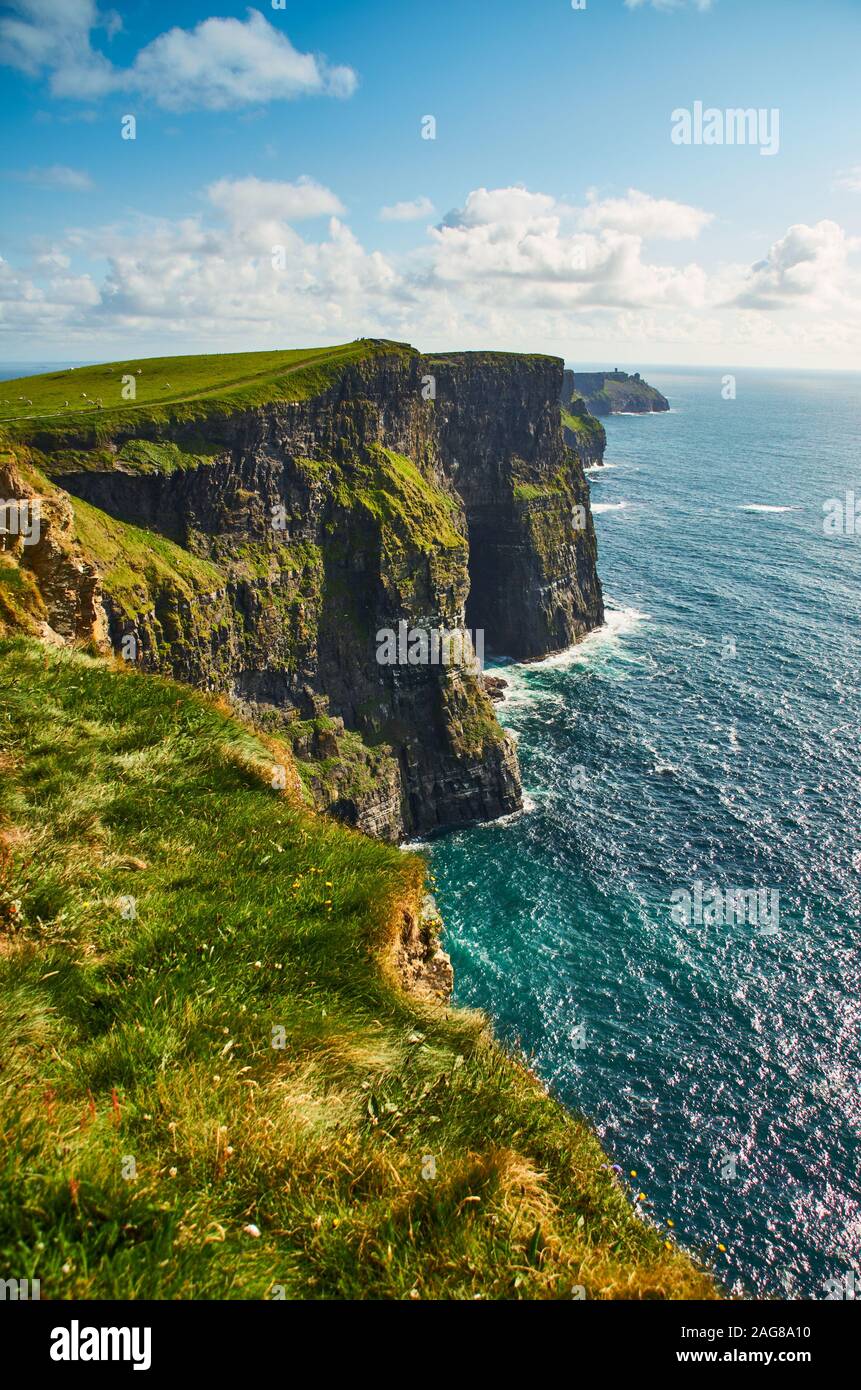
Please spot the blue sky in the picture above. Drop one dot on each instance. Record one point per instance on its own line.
(552, 210)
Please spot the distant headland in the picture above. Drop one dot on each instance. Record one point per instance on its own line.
(614, 393)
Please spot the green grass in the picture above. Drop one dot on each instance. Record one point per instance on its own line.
(160, 456)
(148, 1038)
(534, 492)
(21, 603)
(134, 563)
(411, 511)
(168, 389)
(581, 424)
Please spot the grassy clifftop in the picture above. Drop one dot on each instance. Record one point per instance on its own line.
(92, 403)
(165, 917)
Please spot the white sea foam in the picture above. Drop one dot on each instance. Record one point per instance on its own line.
(520, 689)
(618, 622)
(526, 809)
(598, 507)
(516, 691)
(761, 507)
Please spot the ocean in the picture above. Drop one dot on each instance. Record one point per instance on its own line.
(706, 742)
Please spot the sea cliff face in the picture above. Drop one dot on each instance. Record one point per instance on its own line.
(534, 583)
(581, 431)
(259, 553)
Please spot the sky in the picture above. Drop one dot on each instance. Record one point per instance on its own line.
(527, 175)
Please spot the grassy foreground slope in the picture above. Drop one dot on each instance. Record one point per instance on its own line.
(155, 1143)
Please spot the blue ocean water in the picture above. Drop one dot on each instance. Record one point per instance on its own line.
(711, 733)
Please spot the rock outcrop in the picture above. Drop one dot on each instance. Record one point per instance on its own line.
(260, 553)
(47, 586)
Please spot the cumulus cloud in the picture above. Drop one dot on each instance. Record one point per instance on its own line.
(251, 200)
(218, 65)
(224, 63)
(514, 206)
(644, 216)
(408, 211)
(807, 265)
(27, 307)
(536, 245)
(260, 213)
(510, 268)
(57, 176)
(39, 36)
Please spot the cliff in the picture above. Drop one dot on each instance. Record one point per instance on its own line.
(253, 534)
(581, 431)
(615, 393)
(280, 1001)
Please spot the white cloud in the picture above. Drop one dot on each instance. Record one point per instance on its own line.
(515, 206)
(53, 260)
(252, 200)
(807, 265)
(534, 244)
(225, 63)
(40, 35)
(57, 176)
(510, 269)
(849, 180)
(218, 65)
(642, 215)
(408, 211)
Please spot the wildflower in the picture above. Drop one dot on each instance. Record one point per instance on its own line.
(252, 1230)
